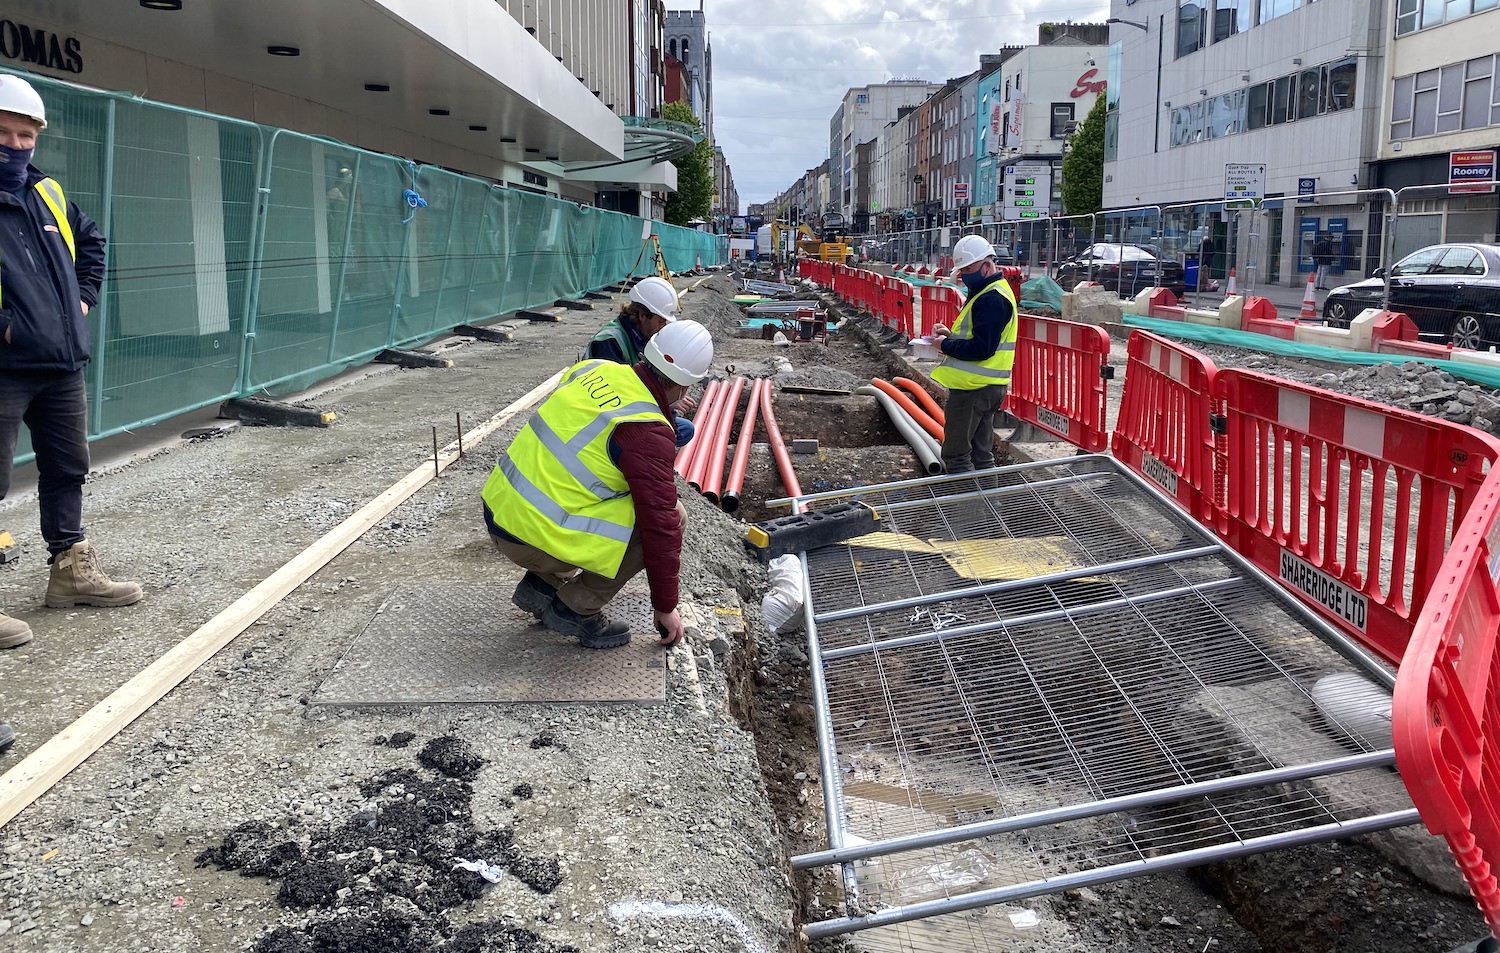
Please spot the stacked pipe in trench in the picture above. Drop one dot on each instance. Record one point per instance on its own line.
(701, 462)
(915, 415)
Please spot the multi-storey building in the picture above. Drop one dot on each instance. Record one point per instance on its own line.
(864, 112)
(525, 94)
(1440, 120)
(1297, 86)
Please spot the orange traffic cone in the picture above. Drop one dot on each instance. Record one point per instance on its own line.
(1229, 291)
(1309, 301)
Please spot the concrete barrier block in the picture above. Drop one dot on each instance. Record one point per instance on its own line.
(1362, 329)
(1478, 358)
(1341, 338)
(1232, 312)
(1212, 319)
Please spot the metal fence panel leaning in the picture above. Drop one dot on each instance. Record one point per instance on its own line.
(246, 260)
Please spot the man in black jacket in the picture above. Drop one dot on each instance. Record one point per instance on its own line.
(51, 268)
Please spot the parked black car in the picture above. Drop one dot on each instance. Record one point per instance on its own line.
(1124, 269)
(1450, 292)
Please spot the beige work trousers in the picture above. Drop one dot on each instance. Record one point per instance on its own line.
(586, 593)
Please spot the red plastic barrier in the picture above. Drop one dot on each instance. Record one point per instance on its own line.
(940, 305)
(1445, 716)
(1350, 503)
(1058, 382)
(1163, 430)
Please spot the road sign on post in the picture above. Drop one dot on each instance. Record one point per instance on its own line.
(1244, 184)
(1026, 192)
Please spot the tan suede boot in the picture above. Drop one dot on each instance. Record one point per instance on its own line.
(13, 632)
(77, 580)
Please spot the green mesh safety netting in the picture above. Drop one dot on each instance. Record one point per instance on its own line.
(1248, 341)
(245, 259)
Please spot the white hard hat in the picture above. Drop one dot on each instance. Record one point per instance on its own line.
(682, 352)
(658, 295)
(17, 96)
(969, 249)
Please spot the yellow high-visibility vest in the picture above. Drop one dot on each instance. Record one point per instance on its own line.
(555, 486)
(995, 369)
(57, 203)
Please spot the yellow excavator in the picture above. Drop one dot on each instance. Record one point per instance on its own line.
(827, 246)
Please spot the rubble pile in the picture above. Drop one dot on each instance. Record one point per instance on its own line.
(1412, 386)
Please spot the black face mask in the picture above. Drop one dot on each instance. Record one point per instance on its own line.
(975, 281)
(13, 163)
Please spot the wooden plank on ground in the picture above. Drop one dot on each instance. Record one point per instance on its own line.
(69, 748)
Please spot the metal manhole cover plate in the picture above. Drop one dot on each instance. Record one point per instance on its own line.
(467, 643)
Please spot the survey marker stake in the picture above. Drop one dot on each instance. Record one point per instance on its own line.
(435, 471)
(459, 417)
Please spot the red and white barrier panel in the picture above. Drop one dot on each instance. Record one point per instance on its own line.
(1059, 380)
(1445, 717)
(940, 305)
(1349, 503)
(1163, 430)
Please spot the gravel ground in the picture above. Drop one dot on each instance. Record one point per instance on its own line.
(618, 828)
(236, 816)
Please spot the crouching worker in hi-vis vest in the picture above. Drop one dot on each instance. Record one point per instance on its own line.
(978, 352)
(585, 496)
(652, 306)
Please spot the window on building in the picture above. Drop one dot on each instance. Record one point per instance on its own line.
(1282, 105)
(1424, 104)
(1339, 86)
(1190, 25)
(1406, 16)
(1309, 92)
(1456, 96)
(1450, 98)
(1413, 15)
(861, 99)
(1062, 114)
(1401, 107)
(1231, 17)
(1271, 9)
(1258, 112)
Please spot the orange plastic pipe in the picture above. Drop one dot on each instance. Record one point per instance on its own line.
(778, 446)
(910, 406)
(704, 438)
(711, 473)
(730, 501)
(701, 418)
(928, 402)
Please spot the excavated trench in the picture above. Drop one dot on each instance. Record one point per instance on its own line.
(1346, 897)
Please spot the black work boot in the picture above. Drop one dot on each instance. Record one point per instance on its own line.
(534, 594)
(7, 737)
(594, 631)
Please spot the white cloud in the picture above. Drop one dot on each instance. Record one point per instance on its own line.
(781, 67)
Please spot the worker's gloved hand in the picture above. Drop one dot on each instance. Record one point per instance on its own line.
(669, 625)
(940, 331)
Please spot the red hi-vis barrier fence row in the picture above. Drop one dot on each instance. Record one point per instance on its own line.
(1386, 522)
(1061, 368)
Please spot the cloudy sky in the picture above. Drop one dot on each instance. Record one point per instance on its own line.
(781, 67)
